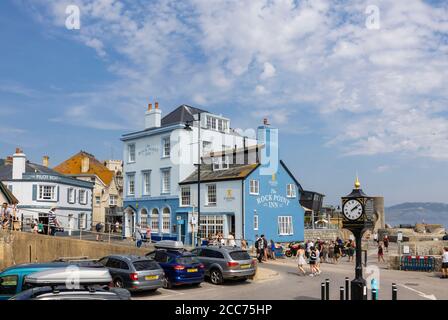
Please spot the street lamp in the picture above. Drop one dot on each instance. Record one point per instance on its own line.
(188, 127)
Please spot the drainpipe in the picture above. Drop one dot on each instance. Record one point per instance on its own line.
(242, 209)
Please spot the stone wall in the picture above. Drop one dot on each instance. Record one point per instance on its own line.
(425, 248)
(23, 247)
(323, 234)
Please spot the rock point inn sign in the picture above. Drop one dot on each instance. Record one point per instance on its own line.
(273, 200)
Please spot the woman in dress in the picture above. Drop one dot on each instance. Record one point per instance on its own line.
(301, 259)
(380, 252)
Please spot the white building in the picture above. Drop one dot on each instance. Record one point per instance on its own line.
(39, 188)
(164, 153)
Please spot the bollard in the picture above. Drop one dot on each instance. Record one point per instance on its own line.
(322, 291)
(347, 288)
(341, 293)
(374, 294)
(327, 289)
(394, 291)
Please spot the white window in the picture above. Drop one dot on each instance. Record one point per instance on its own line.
(155, 220)
(146, 183)
(144, 218)
(131, 185)
(71, 196)
(221, 163)
(211, 194)
(219, 124)
(254, 187)
(166, 181)
(166, 147)
(256, 222)
(285, 225)
(206, 147)
(209, 122)
(82, 196)
(97, 200)
(82, 221)
(113, 200)
(166, 220)
(47, 193)
(224, 125)
(131, 152)
(211, 225)
(185, 196)
(291, 190)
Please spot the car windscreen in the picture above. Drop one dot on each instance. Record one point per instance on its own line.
(239, 255)
(145, 265)
(186, 260)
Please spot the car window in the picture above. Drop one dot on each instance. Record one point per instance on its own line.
(239, 255)
(124, 265)
(8, 284)
(103, 261)
(187, 260)
(151, 255)
(197, 252)
(113, 263)
(212, 254)
(145, 265)
(161, 257)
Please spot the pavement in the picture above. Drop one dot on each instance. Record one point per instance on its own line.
(280, 280)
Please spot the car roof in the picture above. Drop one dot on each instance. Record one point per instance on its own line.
(227, 248)
(128, 257)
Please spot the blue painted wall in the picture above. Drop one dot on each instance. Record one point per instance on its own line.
(270, 204)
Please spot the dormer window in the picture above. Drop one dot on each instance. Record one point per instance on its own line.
(221, 163)
(216, 123)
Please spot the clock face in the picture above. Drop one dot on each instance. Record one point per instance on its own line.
(352, 209)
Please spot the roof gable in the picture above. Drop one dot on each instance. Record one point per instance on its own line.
(73, 166)
(181, 114)
(235, 172)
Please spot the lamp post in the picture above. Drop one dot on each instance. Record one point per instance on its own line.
(188, 128)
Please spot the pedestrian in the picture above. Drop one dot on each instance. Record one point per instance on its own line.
(386, 243)
(117, 226)
(243, 244)
(337, 252)
(98, 228)
(138, 236)
(380, 252)
(222, 241)
(272, 249)
(351, 250)
(5, 215)
(40, 227)
(312, 262)
(260, 247)
(231, 240)
(36, 226)
(265, 246)
(301, 262)
(324, 252)
(375, 237)
(53, 222)
(445, 263)
(317, 266)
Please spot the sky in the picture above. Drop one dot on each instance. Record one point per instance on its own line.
(357, 87)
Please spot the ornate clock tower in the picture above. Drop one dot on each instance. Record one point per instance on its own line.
(358, 217)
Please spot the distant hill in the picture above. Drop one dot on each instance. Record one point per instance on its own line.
(417, 212)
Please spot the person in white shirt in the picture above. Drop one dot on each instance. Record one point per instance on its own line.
(231, 240)
(445, 263)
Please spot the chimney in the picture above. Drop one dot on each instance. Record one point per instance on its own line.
(46, 161)
(153, 117)
(18, 164)
(85, 164)
(265, 121)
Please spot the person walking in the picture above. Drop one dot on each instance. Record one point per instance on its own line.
(53, 222)
(265, 246)
(337, 252)
(138, 236)
(231, 240)
(386, 243)
(36, 226)
(351, 250)
(98, 228)
(5, 216)
(380, 252)
(272, 249)
(312, 262)
(445, 263)
(301, 262)
(375, 237)
(317, 266)
(331, 252)
(260, 249)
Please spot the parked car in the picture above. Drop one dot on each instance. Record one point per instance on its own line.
(71, 284)
(134, 273)
(181, 267)
(222, 263)
(12, 278)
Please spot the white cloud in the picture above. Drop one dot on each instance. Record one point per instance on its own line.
(377, 91)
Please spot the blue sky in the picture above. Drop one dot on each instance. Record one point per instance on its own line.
(346, 98)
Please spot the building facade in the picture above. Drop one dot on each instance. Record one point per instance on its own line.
(108, 185)
(39, 188)
(157, 158)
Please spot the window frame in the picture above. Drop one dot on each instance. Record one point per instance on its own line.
(211, 203)
(128, 184)
(71, 192)
(82, 200)
(130, 160)
(163, 148)
(146, 190)
(285, 225)
(183, 197)
(164, 171)
(164, 216)
(254, 189)
(291, 190)
(40, 193)
(256, 222)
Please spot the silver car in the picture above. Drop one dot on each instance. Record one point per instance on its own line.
(222, 263)
(134, 273)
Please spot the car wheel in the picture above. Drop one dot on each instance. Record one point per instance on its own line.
(288, 254)
(118, 283)
(167, 283)
(216, 276)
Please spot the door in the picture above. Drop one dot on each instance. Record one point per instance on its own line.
(232, 224)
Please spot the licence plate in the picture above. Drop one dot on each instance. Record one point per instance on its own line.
(151, 277)
(245, 266)
(192, 270)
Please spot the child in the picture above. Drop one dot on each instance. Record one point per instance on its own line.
(445, 263)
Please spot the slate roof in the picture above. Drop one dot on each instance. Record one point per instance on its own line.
(73, 165)
(6, 170)
(235, 172)
(8, 194)
(181, 114)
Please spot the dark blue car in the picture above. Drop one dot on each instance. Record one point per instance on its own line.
(180, 267)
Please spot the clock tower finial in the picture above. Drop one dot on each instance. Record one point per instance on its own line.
(357, 183)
